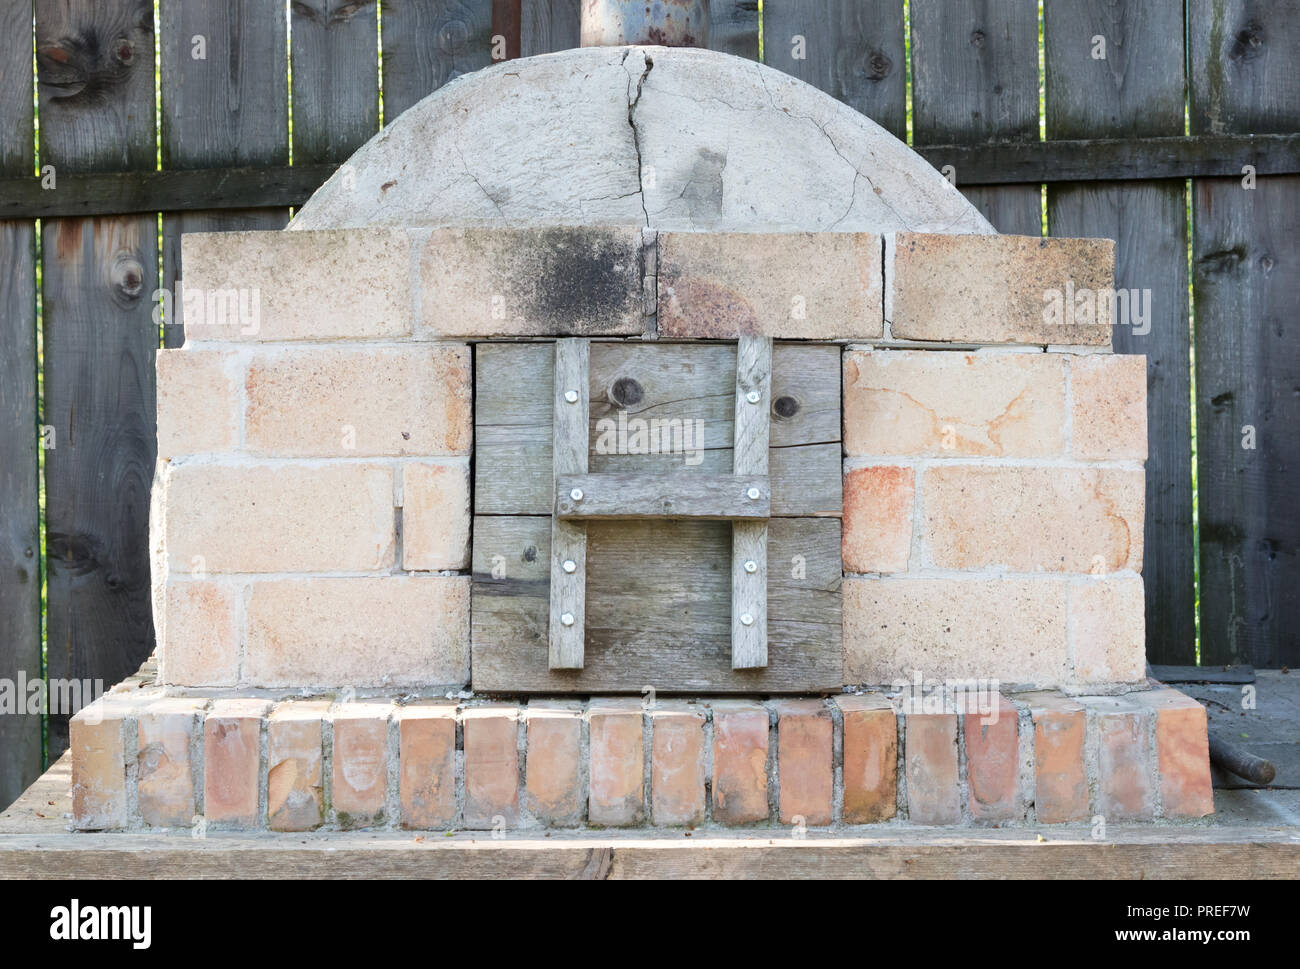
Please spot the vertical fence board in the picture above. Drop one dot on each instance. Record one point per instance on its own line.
(733, 27)
(1137, 91)
(96, 84)
(428, 43)
(975, 80)
(851, 49)
(228, 107)
(20, 547)
(1245, 78)
(335, 78)
(549, 25)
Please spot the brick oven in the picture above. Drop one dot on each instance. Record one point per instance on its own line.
(636, 436)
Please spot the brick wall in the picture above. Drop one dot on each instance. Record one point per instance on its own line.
(312, 505)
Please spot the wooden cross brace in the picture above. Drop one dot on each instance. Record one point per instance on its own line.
(742, 497)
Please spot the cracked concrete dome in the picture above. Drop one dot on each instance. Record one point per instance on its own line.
(670, 138)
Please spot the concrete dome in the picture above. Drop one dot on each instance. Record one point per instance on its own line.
(671, 138)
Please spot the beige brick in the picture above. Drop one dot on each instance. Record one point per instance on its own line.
(435, 516)
(1012, 630)
(1109, 406)
(870, 758)
(1033, 519)
(325, 285)
(617, 768)
(878, 506)
(198, 401)
(295, 792)
(167, 732)
(359, 779)
(97, 740)
(232, 742)
(804, 285)
(1108, 629)
(915, 403)
(804, 734)
(677, 763)
(571, 281)
(252, 517)
(990, 288)
(346, 401)
(740, 745)
(930, 765)
(554, 761)
(1183, 754)
(427, 732)
(199, 634)
(363, 632)
(491, 765)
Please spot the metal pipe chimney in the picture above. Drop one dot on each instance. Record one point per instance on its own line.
(667, 23)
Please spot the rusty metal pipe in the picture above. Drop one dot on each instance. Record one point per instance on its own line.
(667, 23)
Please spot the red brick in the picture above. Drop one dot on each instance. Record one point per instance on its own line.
(617, 763)
(553, 768)
(878, 519)
(360, 774)
(677, 764)
(870, 758)
(740, 740)
(1182, 753)
(295, 794)
(1125, 791)
(1060, 785)
(804, 735)
(427, 764)
(930, 763)
(993, 762)
(232, 740)
(97, 739)
(165, 778)
(491, 766)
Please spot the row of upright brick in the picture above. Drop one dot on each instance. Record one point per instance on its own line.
(141, 759)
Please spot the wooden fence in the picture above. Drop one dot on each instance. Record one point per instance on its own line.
(1152, 108)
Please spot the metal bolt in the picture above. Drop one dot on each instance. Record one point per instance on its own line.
(570, 566)
(567, 619)
(571, 396)
(754, 494)
(576, 494)
(751, 566)
(753, 397)
(747, 620)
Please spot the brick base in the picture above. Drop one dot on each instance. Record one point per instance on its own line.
(242, 762)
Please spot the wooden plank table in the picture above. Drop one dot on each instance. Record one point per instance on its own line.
(35, 843)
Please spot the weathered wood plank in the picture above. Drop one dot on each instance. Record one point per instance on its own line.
(549, 25)
(96, 86)
(733, 27)
(851, 49)
(975, 80)
(571, 405)
(655, 381)
(225, 78)
(335, 78)
(749, 539)
(1244, 78)
(20, 545)
(627, 497)
(658, 608)
(1137, 89)
(427, 43)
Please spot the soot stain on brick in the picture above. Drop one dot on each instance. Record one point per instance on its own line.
(586, 279)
